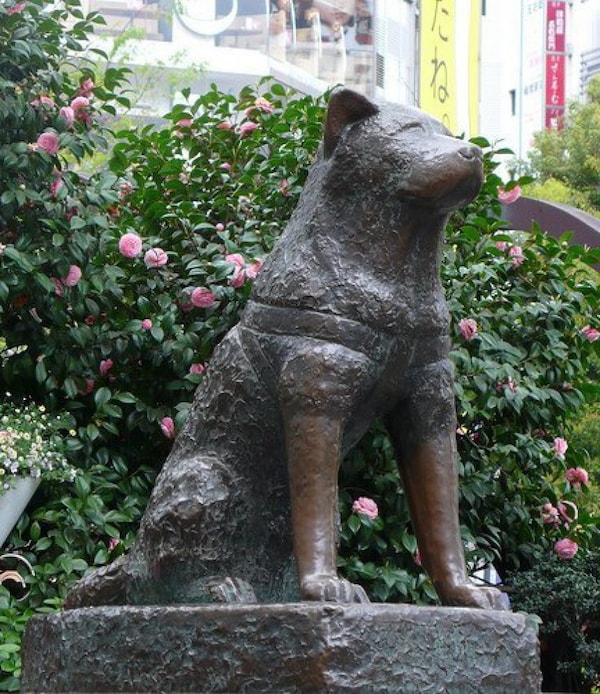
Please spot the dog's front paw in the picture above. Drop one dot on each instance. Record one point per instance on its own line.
(470, 595)
(325, 588)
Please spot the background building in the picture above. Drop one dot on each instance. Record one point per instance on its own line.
(535, 56)
(502, 68)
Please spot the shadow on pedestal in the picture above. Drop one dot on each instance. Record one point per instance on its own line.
(296, 647)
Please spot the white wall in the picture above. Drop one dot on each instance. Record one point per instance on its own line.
(512, 44)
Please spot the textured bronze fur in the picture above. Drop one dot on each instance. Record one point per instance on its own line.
(347, 323)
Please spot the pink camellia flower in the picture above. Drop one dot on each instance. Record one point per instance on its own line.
(264, 105)
(58, 286)
(236, 258)
(284, 187)
(577, 476)
(226, 165)
(590, 334)
(560, 446)
(365, 507)
(156, 257)
(566, 548)
(15, 9)
(507, 197)
(146, 324)
(509, 383)
(87, 87)
(563, 509)
(80, 109)
(48, 142)
(516, 253)
(501, 245)
(219, 227)
(202, 297)
(79, 103)
(113, 543)
(550, 515)
(130, 245)
(55, 186)
(468, 328)
(224, 125)
(252, 269)
(261, 104)
(72, 277)
(43, 100)
(125, 189)
(167, 426)
(186, 123)
(248, 127)
(239, 273)
(68, 114)
(89, 386)
(105, 366)
(197, 368)
(238, 278)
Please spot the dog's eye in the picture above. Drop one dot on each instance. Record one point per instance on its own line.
(414, 125)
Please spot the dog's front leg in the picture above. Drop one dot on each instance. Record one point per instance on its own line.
(423, 429)
(316, 391)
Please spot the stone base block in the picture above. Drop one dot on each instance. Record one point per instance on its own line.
(296, 647)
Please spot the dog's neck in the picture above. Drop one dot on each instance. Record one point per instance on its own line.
(366, 259)
(385, 236)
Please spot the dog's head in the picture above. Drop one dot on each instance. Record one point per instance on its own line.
(400, 151)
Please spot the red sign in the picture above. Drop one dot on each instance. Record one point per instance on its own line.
(555, 80)
(555, 88)
(555, 63)
(554, 118)
(555, 26)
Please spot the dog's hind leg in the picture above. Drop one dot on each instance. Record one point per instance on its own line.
(423, 428)
(183, 552)
(217, 520)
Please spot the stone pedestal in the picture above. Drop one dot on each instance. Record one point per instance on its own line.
(296, 647)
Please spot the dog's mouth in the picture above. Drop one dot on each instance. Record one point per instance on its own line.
(451, 190)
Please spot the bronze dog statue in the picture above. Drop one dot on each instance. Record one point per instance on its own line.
(347, 323)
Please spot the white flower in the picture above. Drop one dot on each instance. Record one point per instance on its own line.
(32, 443)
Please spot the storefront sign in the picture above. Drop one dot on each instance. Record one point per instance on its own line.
(555, 72)
(438, 62)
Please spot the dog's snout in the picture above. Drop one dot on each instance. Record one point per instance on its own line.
(470, 152)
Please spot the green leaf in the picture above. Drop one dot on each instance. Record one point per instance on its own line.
(82, 486)
(354, 523)
(9, 647)
(102, 396)
(40, 371)
(34, 531)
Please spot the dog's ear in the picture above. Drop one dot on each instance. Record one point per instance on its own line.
(345, 107)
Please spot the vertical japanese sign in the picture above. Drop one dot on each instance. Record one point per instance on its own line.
(473, 67)
(555, 48)
(438, 62)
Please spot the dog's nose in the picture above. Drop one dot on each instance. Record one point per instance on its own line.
(471, 152)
